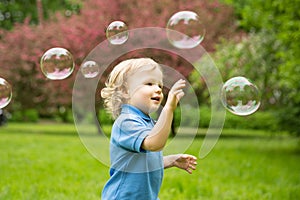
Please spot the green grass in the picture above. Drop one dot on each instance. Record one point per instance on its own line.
(48, 161)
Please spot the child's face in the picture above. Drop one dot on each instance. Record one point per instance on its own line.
(145, 89)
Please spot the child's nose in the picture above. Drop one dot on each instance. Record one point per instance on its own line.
(158, 89)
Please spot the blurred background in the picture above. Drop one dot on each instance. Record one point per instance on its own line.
(258, 40)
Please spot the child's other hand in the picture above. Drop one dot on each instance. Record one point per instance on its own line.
(186, 162)
(175, 94)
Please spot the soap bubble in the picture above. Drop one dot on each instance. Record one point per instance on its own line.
(189, 25)
(57, 63)
(90, 69)
(240, 96)
(5, 93)
(117, 32)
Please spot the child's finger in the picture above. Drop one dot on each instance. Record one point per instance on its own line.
(179, 93)
(192, 167)
(178, 85)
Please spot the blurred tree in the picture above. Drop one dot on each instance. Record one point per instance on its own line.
(15, 11)
(254, 57)
(22, 48)
(279, 22)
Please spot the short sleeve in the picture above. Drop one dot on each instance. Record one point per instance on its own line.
(131, 132)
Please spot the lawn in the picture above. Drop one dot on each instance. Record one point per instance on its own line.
(48, 161)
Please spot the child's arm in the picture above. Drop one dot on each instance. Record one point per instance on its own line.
(182, 161)
(158, 136)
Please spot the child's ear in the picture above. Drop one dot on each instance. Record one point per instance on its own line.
(126, 95)
(125, 92)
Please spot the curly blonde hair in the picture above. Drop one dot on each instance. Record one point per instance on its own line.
(116, 85)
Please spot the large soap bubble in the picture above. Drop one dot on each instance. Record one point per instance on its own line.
(240, 96)
(90, 69)
(5, 93)
(117, 32)
(57, 63)
(189, 24)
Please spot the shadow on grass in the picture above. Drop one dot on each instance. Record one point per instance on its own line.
(54, 129)
(59, 129)
(231, 136)
(39, 132)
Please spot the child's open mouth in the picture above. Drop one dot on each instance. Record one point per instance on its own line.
(156, 99)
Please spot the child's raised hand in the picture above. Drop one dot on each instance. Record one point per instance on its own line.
(175, 94)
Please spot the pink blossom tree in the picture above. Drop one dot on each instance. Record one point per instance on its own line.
(22, 48)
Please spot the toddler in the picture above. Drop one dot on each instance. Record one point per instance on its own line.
(132, 92)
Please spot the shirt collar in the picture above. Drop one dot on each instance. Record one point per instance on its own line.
(126, 109)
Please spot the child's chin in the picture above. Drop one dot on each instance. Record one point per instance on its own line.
(154, 109)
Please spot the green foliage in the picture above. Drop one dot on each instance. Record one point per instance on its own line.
(31, 115)
(64, 115)
(278, 22)
(261, 120)
(281, 18)
(188, 120)
(257, 58)
(199, 86)
(104, 118)
(28, 115)
(254, 57)
(266, 57)
(289, 118)
(15, 11)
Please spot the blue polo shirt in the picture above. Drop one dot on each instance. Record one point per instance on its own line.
(134, 172)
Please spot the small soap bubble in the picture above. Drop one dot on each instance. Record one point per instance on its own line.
(5, 93)
(117, 33)
(190, 28)
(90, 69)
(57, 63)
(240, 96)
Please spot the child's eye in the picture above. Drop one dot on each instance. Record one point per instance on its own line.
(150, 84)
